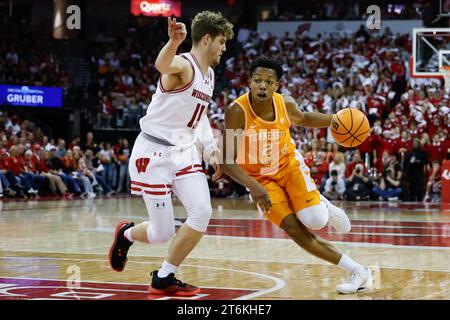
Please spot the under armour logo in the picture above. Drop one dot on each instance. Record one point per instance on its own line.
(160, 205)
(141, 164)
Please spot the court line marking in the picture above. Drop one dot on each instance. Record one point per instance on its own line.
(322, 262)
(278, 282)
(354, 244)
(393, 234)
(445, 227)
(373, 226)
(396, 221)
(109, 229)
(108, 282)
(57, 287)
(145, 218)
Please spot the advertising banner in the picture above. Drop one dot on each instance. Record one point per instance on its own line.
(154, 8)
(27, 96)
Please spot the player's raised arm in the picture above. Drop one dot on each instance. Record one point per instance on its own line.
(167, 61)
(305, 119)
(234, 123)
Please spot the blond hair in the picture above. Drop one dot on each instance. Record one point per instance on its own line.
(212, 23)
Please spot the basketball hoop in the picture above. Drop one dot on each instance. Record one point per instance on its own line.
(446, 74)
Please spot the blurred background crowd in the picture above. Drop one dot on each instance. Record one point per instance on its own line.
(409, 117)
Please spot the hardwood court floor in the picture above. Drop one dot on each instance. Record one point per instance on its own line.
(46, 245)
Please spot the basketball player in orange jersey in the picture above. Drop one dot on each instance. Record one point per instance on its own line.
(275, 172)
(165, 157)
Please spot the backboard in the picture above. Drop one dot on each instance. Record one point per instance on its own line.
(431, 50)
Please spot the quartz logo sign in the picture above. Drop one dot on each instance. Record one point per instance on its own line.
(161, 8)
(164, 8)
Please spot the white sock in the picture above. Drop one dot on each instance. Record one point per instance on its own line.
(349, 264)
(166, 269)
(128, 235)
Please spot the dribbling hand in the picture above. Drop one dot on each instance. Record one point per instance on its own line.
(261, 197)
(218, 171)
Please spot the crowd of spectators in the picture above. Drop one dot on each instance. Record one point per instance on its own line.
(401, 159)
(409, 117)
(29, 58)
(32, 164)
(124, 76)
(344, 10)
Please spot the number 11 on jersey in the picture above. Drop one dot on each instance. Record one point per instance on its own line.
(196, 116)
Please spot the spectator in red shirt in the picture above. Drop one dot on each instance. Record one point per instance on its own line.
(68, 162)
(29, 168)
(404, 144)
(55, 183)
(436, 149)
(16, 165)
(6, 178)
(387, 143)
(355, 160)
(315, 159)
(13, 180)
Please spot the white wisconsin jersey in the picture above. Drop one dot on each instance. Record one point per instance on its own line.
(174, 115)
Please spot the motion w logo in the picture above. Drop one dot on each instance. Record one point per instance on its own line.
(141, 164)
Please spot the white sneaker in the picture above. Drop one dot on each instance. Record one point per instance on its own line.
(91, 195)
(338, 219)
(360, 280)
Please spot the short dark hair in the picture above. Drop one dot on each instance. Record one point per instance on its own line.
(334, 172)
(268, 64)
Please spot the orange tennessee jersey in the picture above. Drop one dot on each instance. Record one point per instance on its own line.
(265, 146)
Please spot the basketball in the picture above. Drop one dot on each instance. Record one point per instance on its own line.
(122, 157)
(350, 127)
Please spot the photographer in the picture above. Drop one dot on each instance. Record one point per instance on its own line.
(358, 185)
(389, 185)
(334, 187)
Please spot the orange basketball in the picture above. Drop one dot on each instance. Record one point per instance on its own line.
(122, 157)
(350, 127)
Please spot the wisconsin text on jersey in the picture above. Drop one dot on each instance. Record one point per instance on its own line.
(201, 95)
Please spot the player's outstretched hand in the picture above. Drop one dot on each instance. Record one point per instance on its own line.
(261, 197)
(176, 30)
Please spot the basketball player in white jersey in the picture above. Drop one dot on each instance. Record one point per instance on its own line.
(166, 156)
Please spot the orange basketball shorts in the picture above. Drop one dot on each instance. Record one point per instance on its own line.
(291, 189)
